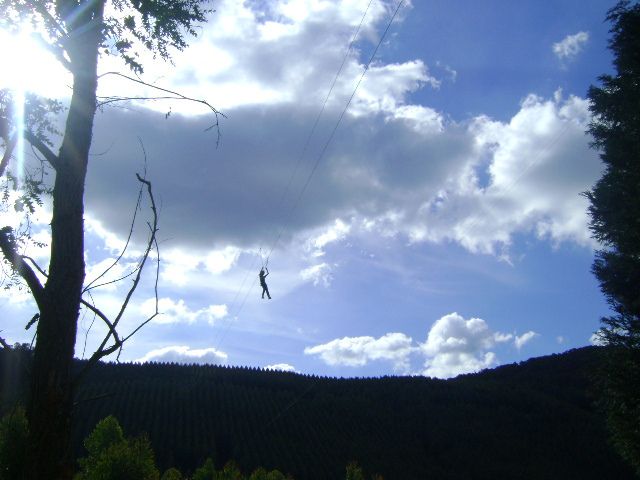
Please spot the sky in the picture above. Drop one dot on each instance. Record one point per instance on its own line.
(433, 225)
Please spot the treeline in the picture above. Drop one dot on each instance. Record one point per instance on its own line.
(533, 420)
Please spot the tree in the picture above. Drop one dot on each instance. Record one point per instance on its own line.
(114, 457)
(78, 32)
(172, 474)
(354, 472)
(206, 471)
(615, 222)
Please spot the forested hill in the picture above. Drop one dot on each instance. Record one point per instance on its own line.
(533, 420)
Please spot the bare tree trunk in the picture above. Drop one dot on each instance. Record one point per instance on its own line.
(49, 409)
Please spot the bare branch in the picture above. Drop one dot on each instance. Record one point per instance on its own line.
(104, 318)
(103, 351)
(110, 282)
(157, 310)
(173, 95)
(91, 285)
(153, 227)
(9, 250)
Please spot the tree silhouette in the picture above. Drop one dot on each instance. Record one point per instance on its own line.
(615, 223)
(77, 32)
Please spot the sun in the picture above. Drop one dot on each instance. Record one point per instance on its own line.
(27, 67)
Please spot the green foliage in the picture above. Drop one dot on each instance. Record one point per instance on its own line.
(615, 222)
(262, 474)
(206, 471)
(112, 457)
(157, 25)
(13, 444)
(229, 472)
(172, 474)
(354, 472)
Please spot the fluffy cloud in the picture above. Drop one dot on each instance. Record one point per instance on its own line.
(319, 274)
(525, 338)
(477, 184)
(185, 354)
(394, 168)
(358, 351)
(455, 346)
(283, 367)
(179, 312)
(570, 46)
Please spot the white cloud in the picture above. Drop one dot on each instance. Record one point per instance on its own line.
(179, 312)
(319, 274)
(334, 233)
(177, 266)
(186, 355)
(597, 339)
(570, 46)
(358, 351)
(455, 346)
(398, 167)
(105, 272)
(525, 338)
(283, 367)
(277, 52)
(220, 261)
(538, 163)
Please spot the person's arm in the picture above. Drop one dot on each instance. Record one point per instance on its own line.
(267, 274)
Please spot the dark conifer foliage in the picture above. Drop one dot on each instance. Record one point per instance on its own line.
(534, 420)
(615, 223)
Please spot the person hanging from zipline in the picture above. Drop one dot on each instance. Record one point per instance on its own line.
(263, 283)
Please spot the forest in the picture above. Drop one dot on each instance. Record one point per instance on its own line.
(532, 420)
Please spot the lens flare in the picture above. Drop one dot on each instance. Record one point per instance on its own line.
(18, 102)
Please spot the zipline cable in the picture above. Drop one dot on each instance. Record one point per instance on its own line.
(335, 128)
(322, 152)
(302, 191)
(324, 104)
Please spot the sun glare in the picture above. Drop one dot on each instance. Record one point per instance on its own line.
(28, 67)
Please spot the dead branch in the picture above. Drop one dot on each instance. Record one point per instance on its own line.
(91, 285)
(104, 318)
(103, 350)
(172, 95)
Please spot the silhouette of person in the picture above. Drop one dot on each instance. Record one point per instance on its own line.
(263, 284)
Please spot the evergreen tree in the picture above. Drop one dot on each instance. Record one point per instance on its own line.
(615, 223)
(354, 472)
(172, 474)
(206, 471)
(113, 457)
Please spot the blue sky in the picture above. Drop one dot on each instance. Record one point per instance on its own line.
(443, 231)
